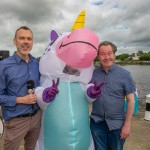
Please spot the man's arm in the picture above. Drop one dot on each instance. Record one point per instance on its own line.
(125, 131)
(8, 100)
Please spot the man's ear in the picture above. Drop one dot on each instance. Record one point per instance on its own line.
(14, 41)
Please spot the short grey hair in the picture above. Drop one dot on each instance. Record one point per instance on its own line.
(105, 43)
(23, 27)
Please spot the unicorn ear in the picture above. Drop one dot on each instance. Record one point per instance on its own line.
(79, 23)
(53, 35)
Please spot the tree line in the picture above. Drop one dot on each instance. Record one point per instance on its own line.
(143, 56)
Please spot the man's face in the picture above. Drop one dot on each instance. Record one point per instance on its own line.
(106, 56)
(23, 41)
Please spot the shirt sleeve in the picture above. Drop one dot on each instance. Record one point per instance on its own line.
(129, 84)
(5, 100)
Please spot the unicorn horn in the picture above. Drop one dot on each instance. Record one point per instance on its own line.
(79, 23)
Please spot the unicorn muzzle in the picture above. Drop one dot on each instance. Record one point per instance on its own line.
(79, 48)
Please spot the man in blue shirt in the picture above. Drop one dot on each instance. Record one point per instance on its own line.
(19, 107)
(109, 125)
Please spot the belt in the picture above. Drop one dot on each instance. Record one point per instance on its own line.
(28, 114)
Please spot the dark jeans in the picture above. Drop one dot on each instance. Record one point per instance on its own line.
(104, 139)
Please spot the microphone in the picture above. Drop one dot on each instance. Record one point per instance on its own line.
(30, 87)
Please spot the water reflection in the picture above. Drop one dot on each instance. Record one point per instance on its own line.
(141, 73)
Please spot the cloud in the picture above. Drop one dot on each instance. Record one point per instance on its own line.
(126, 23)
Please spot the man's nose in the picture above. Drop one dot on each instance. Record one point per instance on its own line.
(26, 40)
(106, 56)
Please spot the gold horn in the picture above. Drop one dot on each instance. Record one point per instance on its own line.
(79, 23)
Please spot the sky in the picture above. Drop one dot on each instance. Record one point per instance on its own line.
(123, 22)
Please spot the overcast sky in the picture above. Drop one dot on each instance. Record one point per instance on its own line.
(124, 22)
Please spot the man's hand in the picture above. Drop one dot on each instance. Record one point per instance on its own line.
(28, 99)
(125, 131)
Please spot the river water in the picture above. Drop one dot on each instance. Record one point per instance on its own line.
(141, 74)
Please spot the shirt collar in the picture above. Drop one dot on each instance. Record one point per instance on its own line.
(19, 59)
(111, 68)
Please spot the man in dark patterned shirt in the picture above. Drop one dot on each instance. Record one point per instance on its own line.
(109, 125)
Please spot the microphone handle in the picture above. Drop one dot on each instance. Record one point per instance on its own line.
(32, 106)
(31, 91)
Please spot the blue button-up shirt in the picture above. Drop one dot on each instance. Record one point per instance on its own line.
(14, 74)
(109, 106)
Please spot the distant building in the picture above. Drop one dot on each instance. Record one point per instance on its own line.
(4, 54)
(135, 57)
(117, 60)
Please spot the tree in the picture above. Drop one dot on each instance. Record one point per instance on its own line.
(122, 56)
(140, 52)
(145, 57)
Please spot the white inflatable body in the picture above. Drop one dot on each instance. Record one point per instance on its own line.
(65, 121)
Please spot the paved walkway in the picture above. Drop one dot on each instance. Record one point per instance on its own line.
(139, 138)
(140, 133)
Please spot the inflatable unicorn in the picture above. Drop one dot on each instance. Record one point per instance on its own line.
(65, 120)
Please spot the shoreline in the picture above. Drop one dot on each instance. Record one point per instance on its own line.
(97, 63)
(133, 62)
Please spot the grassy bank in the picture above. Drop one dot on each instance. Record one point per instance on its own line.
(133, 63)
(97, 63)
